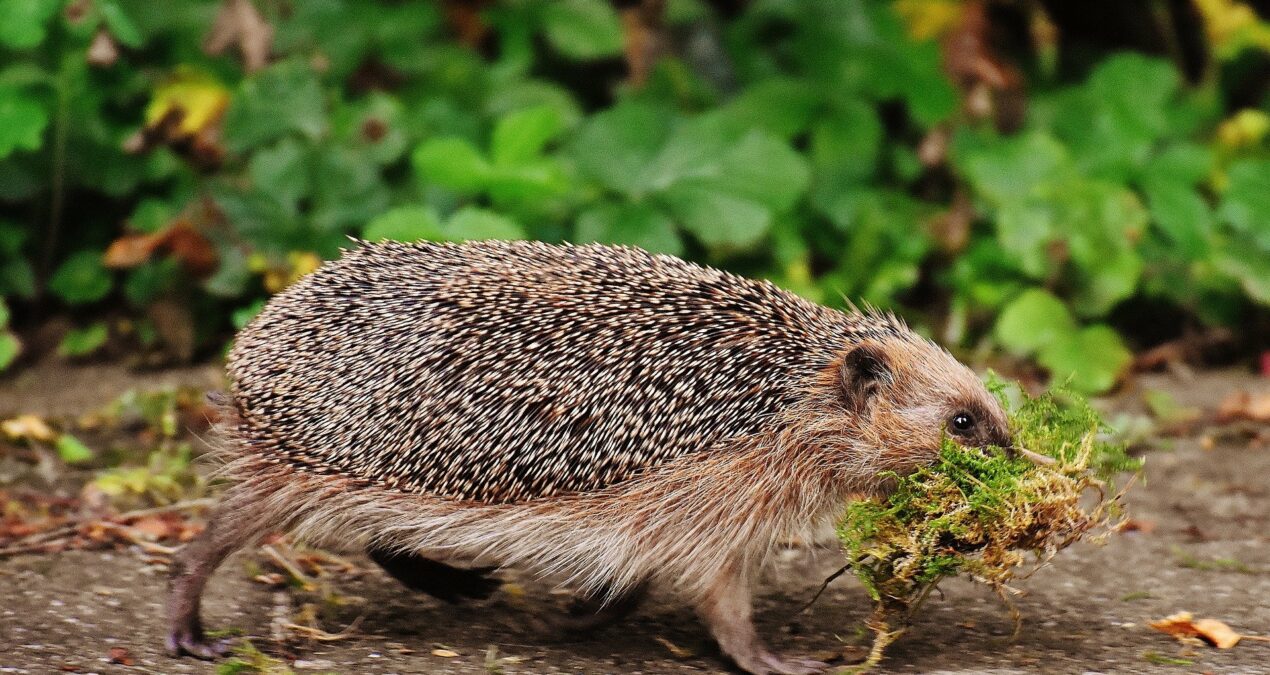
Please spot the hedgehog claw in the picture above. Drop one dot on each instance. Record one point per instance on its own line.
(190, 641)
(792, 666)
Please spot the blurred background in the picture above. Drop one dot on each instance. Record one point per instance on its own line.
(1075, 188)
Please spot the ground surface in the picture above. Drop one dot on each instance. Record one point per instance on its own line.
(1207, 550)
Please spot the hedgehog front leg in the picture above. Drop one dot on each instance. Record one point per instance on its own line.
(727, 609)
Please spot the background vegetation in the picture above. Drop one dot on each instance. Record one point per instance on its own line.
(1003, 174)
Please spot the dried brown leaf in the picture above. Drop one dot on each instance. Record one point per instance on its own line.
(239, 23)
(1184, 626)
(1245, 405)
(120, 656)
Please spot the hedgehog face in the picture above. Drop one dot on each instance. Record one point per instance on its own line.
(906, 395)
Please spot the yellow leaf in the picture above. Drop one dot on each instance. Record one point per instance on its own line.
(1245, 128)
(196, 97)
(445, 653)
(28, 427)
(1233, 26)
(927, 19)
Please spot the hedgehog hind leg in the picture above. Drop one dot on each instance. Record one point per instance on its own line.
(442, 581)
(239, 519)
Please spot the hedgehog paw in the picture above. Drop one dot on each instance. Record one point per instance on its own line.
(189, 640)
(778, 665)
(763, 662)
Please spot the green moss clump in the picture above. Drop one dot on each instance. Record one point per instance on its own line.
(984, 512)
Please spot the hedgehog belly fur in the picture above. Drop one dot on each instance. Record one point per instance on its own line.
(681, 526)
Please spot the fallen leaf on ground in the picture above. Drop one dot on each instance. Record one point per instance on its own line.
(445, 653)
(120, 656)
(28, 427)
(1184, 625)
(1135, 525)
(1245, 405)
(679, 652)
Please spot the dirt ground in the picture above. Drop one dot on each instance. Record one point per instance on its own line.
(1204, 547)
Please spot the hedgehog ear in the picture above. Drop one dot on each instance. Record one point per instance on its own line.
(864, 369)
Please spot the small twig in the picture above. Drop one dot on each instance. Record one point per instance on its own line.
(1036, 457)
(131, 535)
(829, 580)
(324, 636)
(19, 549)
(187, 505)
(287, 565)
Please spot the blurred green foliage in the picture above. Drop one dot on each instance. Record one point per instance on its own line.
(787, 147)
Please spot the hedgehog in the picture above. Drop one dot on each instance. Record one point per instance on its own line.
(602, 417)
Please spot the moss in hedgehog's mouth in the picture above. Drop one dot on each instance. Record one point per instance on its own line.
(983, 512)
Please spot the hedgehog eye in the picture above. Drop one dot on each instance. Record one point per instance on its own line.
(962, 423)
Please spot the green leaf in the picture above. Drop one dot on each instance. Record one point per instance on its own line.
(782, 107)
(1250, 267)
(615, 145)
(521, 136)
(10, 348)
(692, 151)
(83, 341)
(405, 223)
(528, 190)
(151, 215)
(722, 222)
(81, 278)
(1181, 163)
(1107, 281)
(847, 141)
(72, 450)
(1091, 360)
(1024, 230)
(22, 22)
(1135, 89)
(630, 224)
(22, 121)
(474, 224)
(147, 281)
(243, 315)
(121, 27)
(759, 168)
(282, 170)
(1033, 321)
(452, 162)
(582, 29)
(1246, 202)
(1005, 170)
(1182, 215)
(281, 99)
(4, 313)
(374, 126)
(520, 94)
(17, 278)
(347, 190)
(232, 275)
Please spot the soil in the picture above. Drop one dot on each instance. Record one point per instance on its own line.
(1203, 545)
